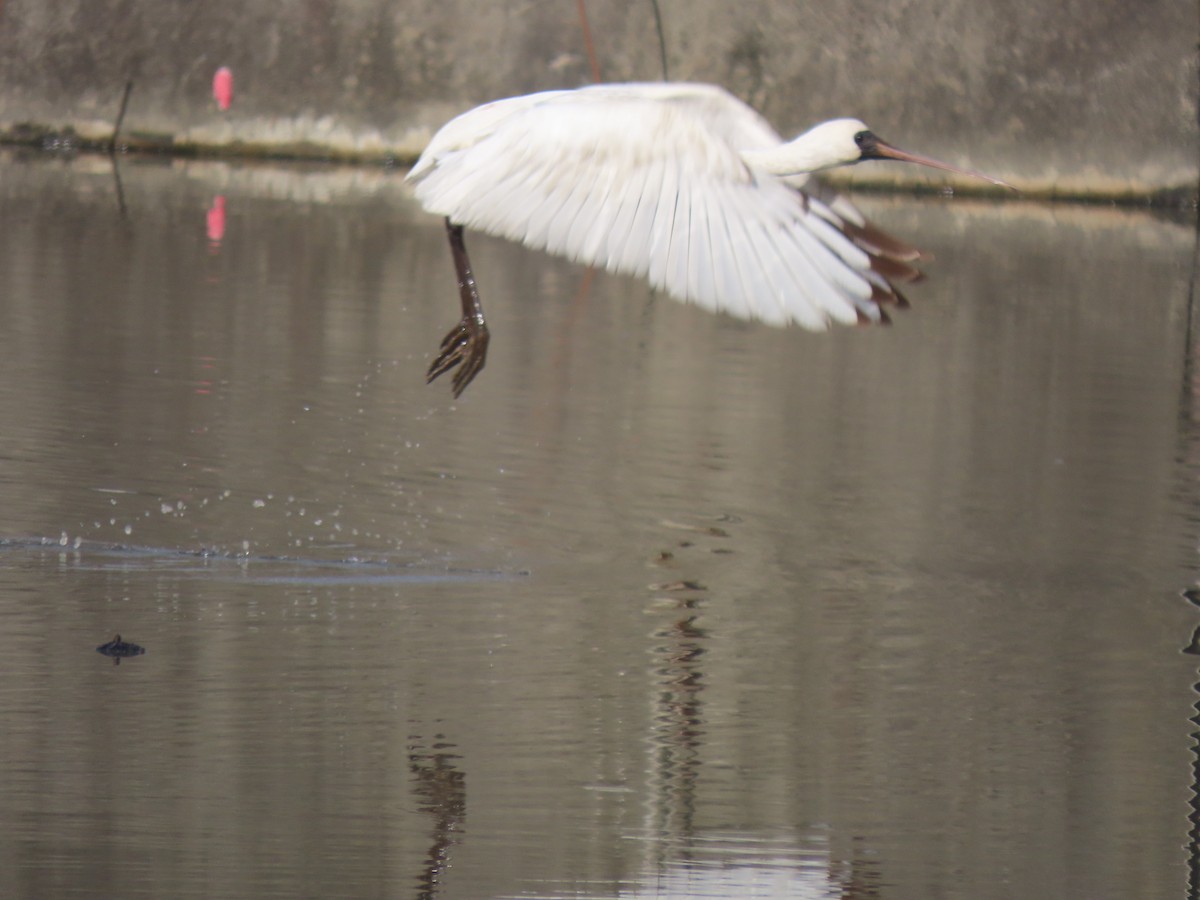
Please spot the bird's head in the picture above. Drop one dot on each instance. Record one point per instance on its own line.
(844, 142)
(836, 142)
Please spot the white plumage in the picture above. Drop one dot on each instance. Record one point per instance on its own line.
(681, 184)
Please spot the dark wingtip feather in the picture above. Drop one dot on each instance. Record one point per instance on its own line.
(880, 243)
(894, 270)
(891, 259)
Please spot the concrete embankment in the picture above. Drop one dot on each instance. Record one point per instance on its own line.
(1065, 100)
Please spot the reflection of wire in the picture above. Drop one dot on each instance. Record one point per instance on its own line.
(678, 725)
(1193, 596)
(1194, 803)
(116, 170)
(443, 792)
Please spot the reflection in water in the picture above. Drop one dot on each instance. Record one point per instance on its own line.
(1192, 595)
(678, 724)
(1193, 649)
(216, 565)
(689, 862)
(119, 188)
(215, 223)
(1190, 434)
(939, 650)
(725, 865)
(443, 791)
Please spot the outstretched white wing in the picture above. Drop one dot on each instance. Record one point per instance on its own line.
(647, 180)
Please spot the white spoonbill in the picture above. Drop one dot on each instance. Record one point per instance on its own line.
(681, 184)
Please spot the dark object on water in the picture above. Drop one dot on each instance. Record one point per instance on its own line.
(119, 649)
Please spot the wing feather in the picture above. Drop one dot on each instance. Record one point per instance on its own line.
(658, 249)
(680, 252)
(647, 180)
(632, 256)
(714, 279)
(595, 220)
(570, 210)
(704, 280)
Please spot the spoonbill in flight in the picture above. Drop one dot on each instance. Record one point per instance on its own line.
(681, 184)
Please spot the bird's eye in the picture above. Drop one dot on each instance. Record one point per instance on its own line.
(868, 145)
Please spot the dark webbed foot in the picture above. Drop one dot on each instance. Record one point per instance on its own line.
(465, 346)
(467, 343)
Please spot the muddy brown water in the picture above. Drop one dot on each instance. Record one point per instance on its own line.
(667, 605)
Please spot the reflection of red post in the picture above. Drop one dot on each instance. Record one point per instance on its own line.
(216, 221)
(223, 88)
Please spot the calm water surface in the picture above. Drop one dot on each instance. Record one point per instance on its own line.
(667, 605)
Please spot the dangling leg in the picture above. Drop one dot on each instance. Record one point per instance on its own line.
(467, 341)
